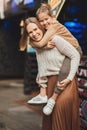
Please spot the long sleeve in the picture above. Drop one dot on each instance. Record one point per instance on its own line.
(68, 50)
(56, 29)
(47, 36)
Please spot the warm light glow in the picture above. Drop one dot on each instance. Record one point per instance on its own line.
(3, 4)
(22, 23)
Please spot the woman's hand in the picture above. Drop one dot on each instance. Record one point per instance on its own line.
(63, 84)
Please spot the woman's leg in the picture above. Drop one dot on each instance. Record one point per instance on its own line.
(65, 115)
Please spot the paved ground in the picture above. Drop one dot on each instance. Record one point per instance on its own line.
(14, 116)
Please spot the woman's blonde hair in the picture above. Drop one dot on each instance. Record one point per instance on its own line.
(44, 8)
(24, 38)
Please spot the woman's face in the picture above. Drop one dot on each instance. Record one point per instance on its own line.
(45, 20)
(34, 32)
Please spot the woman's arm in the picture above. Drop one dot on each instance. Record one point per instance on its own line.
(68, 50)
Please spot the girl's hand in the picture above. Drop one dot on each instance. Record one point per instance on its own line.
(50, 45)
(63, 84)
(37, 80)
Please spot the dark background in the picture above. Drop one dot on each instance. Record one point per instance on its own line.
(12, 61)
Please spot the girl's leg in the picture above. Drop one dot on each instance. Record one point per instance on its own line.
(42, 81)
(41, 98)
(47, 110)
(65, 69)
(54, 96)
(42, 91)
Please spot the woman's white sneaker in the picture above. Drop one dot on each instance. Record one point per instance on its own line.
(47, 110)
(38, 100)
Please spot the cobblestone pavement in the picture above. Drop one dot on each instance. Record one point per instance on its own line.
(14, 116)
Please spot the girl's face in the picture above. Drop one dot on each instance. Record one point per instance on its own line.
(45, 20)
(34, 32)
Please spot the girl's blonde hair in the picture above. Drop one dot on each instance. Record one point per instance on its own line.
(44, 8)
(24, 38)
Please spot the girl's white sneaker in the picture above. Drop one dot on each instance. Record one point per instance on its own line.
(47, 110)
(38, 100)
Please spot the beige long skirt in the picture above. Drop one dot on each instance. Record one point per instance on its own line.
(65, 115)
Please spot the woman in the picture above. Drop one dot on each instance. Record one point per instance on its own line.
(67, 102)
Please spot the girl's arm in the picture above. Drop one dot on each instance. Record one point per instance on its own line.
(47, 36)
(68, 50)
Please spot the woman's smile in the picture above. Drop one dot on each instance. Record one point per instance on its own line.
(34, 32)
